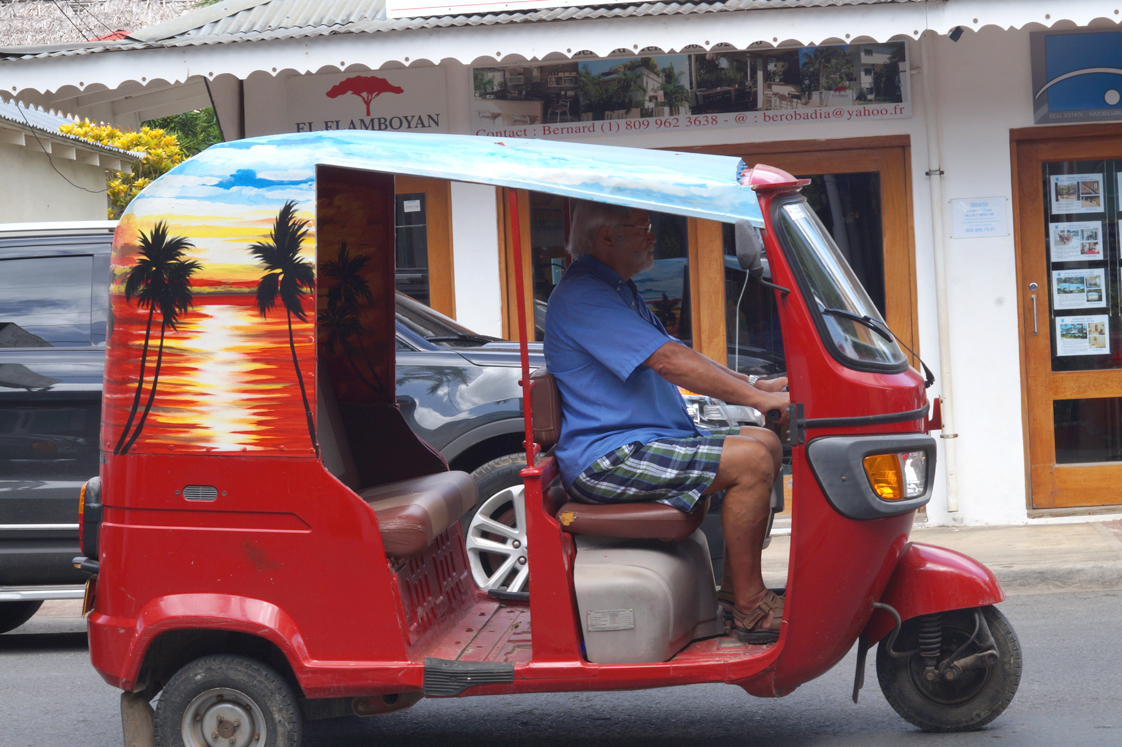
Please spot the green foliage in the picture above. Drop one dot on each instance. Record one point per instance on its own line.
(196, 131)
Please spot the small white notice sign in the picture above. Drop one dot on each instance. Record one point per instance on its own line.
(411, 206)
(978, 217)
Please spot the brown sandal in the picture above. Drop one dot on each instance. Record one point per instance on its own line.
(745, 622)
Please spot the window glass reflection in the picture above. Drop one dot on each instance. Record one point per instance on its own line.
(45, 301)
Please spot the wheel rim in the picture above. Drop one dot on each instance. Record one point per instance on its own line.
(496, 542)
(953, 692)
(223, 717)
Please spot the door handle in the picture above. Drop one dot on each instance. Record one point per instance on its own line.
(1033, 287)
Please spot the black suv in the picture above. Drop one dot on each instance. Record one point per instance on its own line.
(54, 294)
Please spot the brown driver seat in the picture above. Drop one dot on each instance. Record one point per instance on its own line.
(622, 520)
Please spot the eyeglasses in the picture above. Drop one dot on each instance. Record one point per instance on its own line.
(644, 227)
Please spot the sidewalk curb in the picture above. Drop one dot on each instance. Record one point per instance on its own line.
(1081, 577)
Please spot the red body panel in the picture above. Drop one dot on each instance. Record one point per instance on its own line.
(283, 535)
(933, 579)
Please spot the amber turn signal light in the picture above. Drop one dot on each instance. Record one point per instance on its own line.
(896, 477)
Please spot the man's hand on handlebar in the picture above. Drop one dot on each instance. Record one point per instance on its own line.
(774, 407)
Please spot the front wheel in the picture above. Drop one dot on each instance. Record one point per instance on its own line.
(969, 699)
(227, 701)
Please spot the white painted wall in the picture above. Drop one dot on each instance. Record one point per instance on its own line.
(40, 194)
(974, 124)
(475, 266)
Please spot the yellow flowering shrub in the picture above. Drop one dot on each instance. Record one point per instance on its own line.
(162, 152)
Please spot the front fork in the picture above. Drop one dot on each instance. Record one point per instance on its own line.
(930, 647)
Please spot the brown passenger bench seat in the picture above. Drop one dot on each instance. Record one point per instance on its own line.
(622, 520)
(411, 513)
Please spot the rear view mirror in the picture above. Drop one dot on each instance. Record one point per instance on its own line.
(749, 248)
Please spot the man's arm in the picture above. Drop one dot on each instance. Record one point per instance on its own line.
(687, 368)
(764, 385)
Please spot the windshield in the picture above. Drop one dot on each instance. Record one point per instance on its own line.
(433, 326)
(834, 288)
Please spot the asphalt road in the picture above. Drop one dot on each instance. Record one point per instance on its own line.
(1071, 693)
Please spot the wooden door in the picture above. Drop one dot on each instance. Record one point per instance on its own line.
(423, 232)
(1066, 191)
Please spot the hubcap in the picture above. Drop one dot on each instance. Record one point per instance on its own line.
(223, 717)
(496, 542)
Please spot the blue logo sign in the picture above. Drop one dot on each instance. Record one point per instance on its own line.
(1077, 76)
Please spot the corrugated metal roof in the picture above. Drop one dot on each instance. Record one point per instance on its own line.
(236, 21)
(289, 19)
(35, 119)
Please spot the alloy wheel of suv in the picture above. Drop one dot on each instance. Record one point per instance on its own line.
(496, 531)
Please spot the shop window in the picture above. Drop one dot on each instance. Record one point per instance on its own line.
(412, 246)
(1084, 263)
(1088, 430)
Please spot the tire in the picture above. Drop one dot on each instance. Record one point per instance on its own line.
(976, 698)
(14, 614)
(496, 555)
(210, 694)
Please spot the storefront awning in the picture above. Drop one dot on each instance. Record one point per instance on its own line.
(241, 37)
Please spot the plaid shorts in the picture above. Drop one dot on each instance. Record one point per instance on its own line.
(674, 471)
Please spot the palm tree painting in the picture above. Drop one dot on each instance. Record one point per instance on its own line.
(160, 278)
(341, 320)
(290, 277)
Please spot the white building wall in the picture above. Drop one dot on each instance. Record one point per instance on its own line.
(475, 258)
(40, 194)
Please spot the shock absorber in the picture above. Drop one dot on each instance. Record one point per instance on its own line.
(930, 642)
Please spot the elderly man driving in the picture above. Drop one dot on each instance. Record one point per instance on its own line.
(625, 432)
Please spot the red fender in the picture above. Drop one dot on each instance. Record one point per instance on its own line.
(216, 611)
(933, 579)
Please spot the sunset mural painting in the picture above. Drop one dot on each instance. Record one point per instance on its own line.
(225, 372)
(160, 277)
(289, 277)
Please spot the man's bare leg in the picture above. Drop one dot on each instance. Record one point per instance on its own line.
(748, 468)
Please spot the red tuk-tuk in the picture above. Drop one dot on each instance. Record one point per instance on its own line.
(270, 543)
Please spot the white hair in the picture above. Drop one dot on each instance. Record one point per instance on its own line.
(588, 219)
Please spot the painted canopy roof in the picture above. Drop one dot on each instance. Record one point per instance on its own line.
(281, 167)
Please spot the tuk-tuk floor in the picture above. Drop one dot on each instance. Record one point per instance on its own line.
(488, 631)
(492, 632)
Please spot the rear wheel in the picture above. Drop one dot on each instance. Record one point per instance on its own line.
(496, 530)
(227, 701)
(14, 614)
(975, 696)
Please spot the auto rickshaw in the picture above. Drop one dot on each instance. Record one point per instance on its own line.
(269, 543)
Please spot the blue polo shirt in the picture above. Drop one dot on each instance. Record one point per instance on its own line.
(598, 332)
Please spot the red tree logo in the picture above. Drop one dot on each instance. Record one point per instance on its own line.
(366, 88)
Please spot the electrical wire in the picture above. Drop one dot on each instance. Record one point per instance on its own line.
(90, 13)
(51, 160)
(85, 34)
